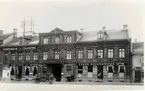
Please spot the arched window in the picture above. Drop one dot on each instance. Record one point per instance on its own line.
(69, 39)
(57, 39)
(27, 71)
(12, 70)
(34, 71)
(45, 40)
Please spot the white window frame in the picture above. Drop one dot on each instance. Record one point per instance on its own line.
(80, 54)
(13, 56)
(57, 39)
(57, 54)
(35, 56)
(20, 56)
(121, 53)
(110, 53)
(69, 54)
(90, 53)
(45, 55)
(69, 39)
(27, 56)
(100, 53)
(45, 40)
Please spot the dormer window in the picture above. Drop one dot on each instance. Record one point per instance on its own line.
(100, 35)
(69, 39)
(57, 39)
(45, 41)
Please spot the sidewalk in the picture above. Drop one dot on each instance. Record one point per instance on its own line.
(81, 83)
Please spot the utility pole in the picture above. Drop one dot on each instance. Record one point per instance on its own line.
(23, 27)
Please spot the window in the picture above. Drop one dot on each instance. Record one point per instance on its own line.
(68, 68)
(56, 54)
(20, 56)
(90, 68)
(12, 71)
(80, 69)
(45, 55)
(69, 39)
(90, 54)
(13, 56)
(35, 56)
(27, 56)
(100, 35)
(68, 54)
(80, 54)
(122, 69)
(121, 53)
(45, 40)
(44, 69)
(100, 53)
(110, 69)
(57, 39)
(110, 53)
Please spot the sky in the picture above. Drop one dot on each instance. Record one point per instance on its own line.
(90, 15)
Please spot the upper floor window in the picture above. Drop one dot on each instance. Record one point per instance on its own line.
(110, 53)
(20, 56)
(57, 39)
(80, 54)
(100, 35)
(121, 53)
(57, 55)
(68, 55)
(90, 54)
(27, 56)
(69, 39)
(45, 55)
(13, 56)
(35, 56)
(100, 53)
(45, 40)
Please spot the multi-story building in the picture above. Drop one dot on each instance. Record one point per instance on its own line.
(5, 38)
(138, 61)
(87, 56)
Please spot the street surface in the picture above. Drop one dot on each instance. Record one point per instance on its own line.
(30, 86)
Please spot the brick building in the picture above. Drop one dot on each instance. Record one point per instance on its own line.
(102, 55)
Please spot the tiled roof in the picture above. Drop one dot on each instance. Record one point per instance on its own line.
(5, 36)
(111, 35)
(138, 47)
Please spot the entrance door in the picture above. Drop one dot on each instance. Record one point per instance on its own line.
(137, 75)
(19, 75)
(56, 70)
(100, 72)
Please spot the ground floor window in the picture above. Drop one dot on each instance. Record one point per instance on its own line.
(80, 69)
(44, 69)
(122, 69)
(110, 69)
(68, 68)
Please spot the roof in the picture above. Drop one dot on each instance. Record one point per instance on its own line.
(30, 41)
(111, 35)
(5, 36)
(138, 47)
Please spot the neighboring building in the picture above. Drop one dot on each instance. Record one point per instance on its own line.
(87, 56)
(5, 38)
(138, 61)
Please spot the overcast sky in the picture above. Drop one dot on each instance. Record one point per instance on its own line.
(74, 14)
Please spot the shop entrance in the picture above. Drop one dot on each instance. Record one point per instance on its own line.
(100, 71)
(56, 71)
(19, 73)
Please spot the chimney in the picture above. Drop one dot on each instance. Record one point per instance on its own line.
(125, 26)
(15, 32)
(21, 40)
(103, 27)
(1, 32)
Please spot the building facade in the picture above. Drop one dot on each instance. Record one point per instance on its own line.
(138, 61)
(86, 56)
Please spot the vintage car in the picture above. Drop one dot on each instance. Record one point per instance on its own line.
(44, 77)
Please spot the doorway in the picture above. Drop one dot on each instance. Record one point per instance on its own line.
(56, 70)
(19, 75)
(100, 72)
